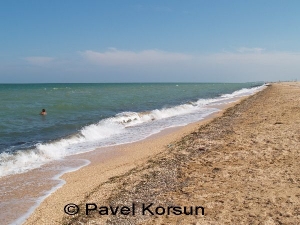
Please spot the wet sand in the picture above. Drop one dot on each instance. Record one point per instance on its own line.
(241, 167)
(21, 193)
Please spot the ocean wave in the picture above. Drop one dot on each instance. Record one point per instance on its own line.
(243, 92)
(112, 131)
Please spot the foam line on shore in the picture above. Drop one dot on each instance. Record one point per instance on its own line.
(39, 200)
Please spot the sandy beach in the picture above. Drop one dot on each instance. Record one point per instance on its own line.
(239, 167)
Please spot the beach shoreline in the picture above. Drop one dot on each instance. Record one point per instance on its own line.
(112, 157)
(46, 179)
(116, 160)
(104, 178)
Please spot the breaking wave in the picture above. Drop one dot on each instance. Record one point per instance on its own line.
(125, 127)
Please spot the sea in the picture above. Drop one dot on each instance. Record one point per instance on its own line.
(83, 117)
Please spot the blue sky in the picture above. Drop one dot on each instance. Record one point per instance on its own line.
(149, 41)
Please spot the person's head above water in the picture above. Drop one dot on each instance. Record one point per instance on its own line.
(43, 112)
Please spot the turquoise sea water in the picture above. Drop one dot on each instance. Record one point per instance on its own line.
(81, 117)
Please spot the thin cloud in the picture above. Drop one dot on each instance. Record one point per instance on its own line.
(250, 50)
(117, 57)
(245, 57)
(39, 60)
(155, 65)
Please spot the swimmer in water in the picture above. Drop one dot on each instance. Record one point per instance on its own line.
(43, 112)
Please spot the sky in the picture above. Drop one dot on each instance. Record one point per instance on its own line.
(54, 41)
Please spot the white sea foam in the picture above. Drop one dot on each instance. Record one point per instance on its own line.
(243, 92)
(124, 127)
